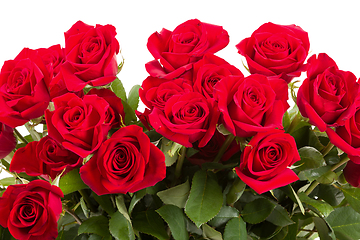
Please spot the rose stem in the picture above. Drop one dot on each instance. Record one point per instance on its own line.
(327, 148)
(34, 134)
(180, 162)
(87, 200)
(229, 139)
(296, 120)
(73, 214)
(313, 185)
(18, 134)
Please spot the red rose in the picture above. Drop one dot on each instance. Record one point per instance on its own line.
(276, 50)
(265, 160)
(252, 104)
(352, 173)
(347, 137)
(23, 91)
(7, 140)
(44, 157)
(209, 71)
(31, 211)
(78, 123)
(155, 92)
(177, 50)
(90, 56)
(186, 119)
(52, 57)
(327, 96)
(115, 115)
(126, 162)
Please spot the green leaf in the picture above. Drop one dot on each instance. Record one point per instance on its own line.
(71, 182)
(210, 233)
(7, 181)
(310, 158)
(120, 228)
(118, 88)
(286, 120)
(330, 194)
(257, 210)
(323, 207)
(175, 218)
(205, 199)
(96, 224)
(345, 222)
(328, 178)
(133, 99)
(68, 234)
(177, 195)
(352, 196)
(280, 217)
(84, 207)
(136, 198)
(120, 204)
(150, 223)
(226, 213)
(235, 191)
(166, 146)
(324, 230)
(97, 237)
(313, 174)
(105, 202)
(235, 229)
(129, 113)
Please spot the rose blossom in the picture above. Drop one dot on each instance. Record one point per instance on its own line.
(31, 211)
(90, 54)
(252, 104)
(177, 50)
(275, 49)
(265, 160)
(186, 119)
(352, 173)
(23, 91)
(79, 124)
(327, 96)
(7, 140)
(44, 157)
(126, 162)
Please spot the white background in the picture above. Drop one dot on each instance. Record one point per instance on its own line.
(333, 26)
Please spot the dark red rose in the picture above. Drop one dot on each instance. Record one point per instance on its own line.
(79, 124)
(276, 50)
(265, 160)
(23, 91)
(126, 162)
(347, 137)
(252, 104)
(45, 157)
(352, 173)
(186, 119)
(209, 71)
(155, 92)
(177, 50)
(115, 115)
(30, 211)
(7, 140)
(90, 56)
(327, 96)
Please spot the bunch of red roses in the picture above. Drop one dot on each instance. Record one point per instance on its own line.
(199, 108)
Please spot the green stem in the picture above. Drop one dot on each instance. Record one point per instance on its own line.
(296, 120)
(87, 200)
(34, 134)
(73, 214)
(180, 162)
(313, 185)
(18, 134)
(327, 149)
(229, 139)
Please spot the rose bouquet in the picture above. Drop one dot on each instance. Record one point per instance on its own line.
(216, 154)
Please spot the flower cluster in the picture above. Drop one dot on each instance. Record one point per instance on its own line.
(216, 154)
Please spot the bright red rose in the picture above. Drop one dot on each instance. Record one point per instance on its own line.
(252, 104)
(276, 50)
(115, 115)
(45, 157)
(265, 160)
(177, 50)
(90, 56)
(209, 71)
(23, 91)
(79, 124)
(327, 96)
(7, 140)
(352, 173)
(126, 162)
(31, 211)
(186, 119)
(155, 92)
(52, 57)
